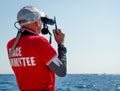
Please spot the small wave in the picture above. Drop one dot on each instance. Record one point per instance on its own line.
(118, 88)
(82, 86)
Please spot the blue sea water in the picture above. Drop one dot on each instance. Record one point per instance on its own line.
(72, 82)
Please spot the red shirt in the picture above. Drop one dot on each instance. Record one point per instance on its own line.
(29, 63)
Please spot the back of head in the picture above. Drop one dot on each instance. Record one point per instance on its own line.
(29, 14)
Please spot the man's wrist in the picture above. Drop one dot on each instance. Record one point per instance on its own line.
(61, 47)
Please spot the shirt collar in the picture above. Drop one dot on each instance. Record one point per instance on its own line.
(29, 30)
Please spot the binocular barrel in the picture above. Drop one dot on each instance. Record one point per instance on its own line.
(47, 20)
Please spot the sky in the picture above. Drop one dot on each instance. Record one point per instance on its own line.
(91, 27)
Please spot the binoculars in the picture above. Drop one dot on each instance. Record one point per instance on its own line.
(47, 21)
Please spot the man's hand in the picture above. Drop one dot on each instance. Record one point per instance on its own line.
(59, 36)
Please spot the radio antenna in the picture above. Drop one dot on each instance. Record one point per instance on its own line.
(55, 23)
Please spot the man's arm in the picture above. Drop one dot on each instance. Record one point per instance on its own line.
(58, 64)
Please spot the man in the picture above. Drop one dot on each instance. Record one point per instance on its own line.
(33, 60)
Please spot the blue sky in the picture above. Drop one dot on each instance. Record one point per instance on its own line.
(92, 29)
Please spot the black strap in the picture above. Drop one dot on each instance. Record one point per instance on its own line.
(27, 33)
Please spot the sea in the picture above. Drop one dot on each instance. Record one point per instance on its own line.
(72, 82)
